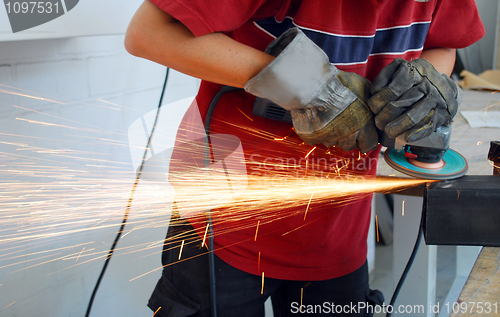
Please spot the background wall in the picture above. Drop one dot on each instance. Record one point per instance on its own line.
(66, 106)
(87, 17)
(482, 55)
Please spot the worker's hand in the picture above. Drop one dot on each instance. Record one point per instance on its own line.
(413, 98)
(327, 106)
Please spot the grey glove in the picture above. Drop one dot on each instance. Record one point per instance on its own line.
(327, 106)
(413, 98)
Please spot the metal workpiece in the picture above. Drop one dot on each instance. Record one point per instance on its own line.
(464, 211)
(494, 156)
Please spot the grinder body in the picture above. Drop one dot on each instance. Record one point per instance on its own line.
(430, 149)
(428, 158)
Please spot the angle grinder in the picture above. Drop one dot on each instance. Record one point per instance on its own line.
(428, 158)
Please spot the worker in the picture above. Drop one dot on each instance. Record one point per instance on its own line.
(316, 59)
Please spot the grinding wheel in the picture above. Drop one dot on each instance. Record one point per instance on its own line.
(455, 165)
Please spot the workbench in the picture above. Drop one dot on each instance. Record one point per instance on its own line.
(481, 293)
(420, 285)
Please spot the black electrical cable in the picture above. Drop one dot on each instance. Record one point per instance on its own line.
(127, 211)
(206, 156)
(412, 256)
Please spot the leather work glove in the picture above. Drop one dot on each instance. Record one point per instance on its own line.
(413, 98)
(327, 106)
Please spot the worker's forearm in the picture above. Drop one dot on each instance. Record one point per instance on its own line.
(443, 59)
(155, 35)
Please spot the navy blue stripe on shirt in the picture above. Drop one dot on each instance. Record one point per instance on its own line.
(353, 49)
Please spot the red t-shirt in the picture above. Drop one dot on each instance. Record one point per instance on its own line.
(278, 237)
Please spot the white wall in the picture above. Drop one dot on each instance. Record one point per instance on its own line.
(65, 109)
(88, 17)
(481, 56)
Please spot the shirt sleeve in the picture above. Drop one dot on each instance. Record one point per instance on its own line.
(455, 24)
(206, 16)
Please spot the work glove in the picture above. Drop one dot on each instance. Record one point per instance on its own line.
(413, 98)
(327, 106)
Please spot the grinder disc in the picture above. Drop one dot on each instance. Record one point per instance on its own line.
(455, 165)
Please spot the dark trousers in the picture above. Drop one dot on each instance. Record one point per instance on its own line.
(184, 288)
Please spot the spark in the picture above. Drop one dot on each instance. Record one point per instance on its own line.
(10, 304)
(256, 230)
(88, 250)
(262, 288)
(458, 194)
(307, 208)
(403, 208)
(285, 137)
(180, 251)
(258, 263)
(111, 103)
(54, 116)
(45, 262)
(43, 123)
(79, 254)
(127, 233)
(314, 148)
(299, 227)
(479, 143)
(205, 236)
(301, 295)
(244, 114)
(29, 96)
(156, 311)
(376, 226)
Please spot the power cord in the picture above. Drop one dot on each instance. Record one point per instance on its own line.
(131, 198)
(206, 155)
(412, 256)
